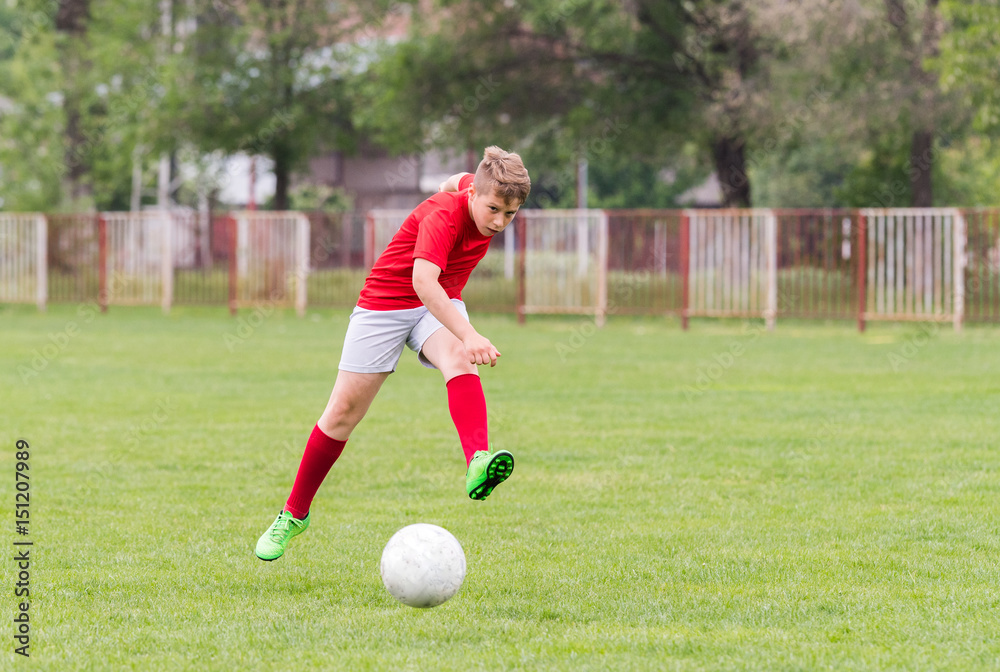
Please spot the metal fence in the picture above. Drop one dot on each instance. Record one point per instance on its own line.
(23, 268)
(982, 265)
(894, 264)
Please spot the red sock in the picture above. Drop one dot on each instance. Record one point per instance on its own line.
(320, 454)
(467, 404)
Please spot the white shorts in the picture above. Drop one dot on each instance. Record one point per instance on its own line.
(375, 338)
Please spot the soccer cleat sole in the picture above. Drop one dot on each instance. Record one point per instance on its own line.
(497, 471)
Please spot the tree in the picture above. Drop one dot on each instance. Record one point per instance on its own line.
(270, 78)
(969, 54)
(921, 91)
(71, 19)
(31, 111)
(722, 58)
(665, 74)
(549, 79)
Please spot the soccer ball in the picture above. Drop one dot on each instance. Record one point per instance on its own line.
(423, 565)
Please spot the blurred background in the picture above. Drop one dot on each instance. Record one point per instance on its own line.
(348, 105)
(156, 144)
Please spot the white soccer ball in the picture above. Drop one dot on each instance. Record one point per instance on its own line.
(423, 565)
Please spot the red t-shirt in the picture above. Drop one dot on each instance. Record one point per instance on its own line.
(440, 230)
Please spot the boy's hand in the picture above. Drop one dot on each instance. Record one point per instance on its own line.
(480, 350)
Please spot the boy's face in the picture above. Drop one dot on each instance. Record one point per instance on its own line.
(491, 213)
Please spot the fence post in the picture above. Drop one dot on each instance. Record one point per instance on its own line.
(102, 263)
(602, 268)
(509, 252)
(233, 263)
(302, 264)
(958, 269)
(771, 233)
(42, 261)
(167, 261)
(582, 240)
(685, 268)
(521, 240)
(862, 269)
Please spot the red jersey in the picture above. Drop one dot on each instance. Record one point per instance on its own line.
(440, 230)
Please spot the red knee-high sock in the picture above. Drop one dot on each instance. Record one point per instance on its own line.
(320, 454)
(467, 404)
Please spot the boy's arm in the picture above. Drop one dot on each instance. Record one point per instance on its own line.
(451, 184)
(432, 294)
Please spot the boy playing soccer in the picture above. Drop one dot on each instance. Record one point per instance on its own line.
(413, 296)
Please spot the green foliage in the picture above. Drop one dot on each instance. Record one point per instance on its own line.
(557, 81)
(969, 173)
(879, 178)
(969, 55)
(313, 197)
(31, 116)
(809, 175)
(641, 90)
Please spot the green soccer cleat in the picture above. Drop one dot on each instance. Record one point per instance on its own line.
(487, 471)
(271, 545)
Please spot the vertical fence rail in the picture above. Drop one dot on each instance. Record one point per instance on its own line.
(862, 269)
(271, 259)
(645, 261)
(23, 258)
(816, 258)
(915, 264)
(733, 263)
(102, 263)
(166, 262)
(521, 238)
(234, 271)
(137, 258)
(685, 245)
(565, 264)
(41, 262)
(981, 274)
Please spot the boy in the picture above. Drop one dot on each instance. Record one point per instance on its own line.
(413, 296)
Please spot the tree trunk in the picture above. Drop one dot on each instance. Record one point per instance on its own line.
(922, 143)
(282, 173)
(924, 95)
(921, 163)
(71, 21)
(731, 167)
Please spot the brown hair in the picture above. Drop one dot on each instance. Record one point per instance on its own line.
(502, 173)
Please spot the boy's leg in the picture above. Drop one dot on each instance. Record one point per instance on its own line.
(467, 404)
(466, 400)
(351, 398)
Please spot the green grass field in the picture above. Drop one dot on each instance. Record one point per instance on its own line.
(722, 499)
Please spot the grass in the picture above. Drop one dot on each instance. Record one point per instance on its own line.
(723, 499)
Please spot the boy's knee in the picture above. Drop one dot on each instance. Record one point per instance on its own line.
(342, 411)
